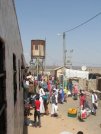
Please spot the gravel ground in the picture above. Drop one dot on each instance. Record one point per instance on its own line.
(53, 125)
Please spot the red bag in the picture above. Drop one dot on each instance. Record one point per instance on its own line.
(83, 114)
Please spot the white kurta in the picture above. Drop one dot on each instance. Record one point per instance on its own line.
(94, 98)
(41, 93)
(54, 107)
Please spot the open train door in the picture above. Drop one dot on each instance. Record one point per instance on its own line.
(3, 113)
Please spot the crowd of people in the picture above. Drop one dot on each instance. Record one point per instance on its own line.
(52, 91)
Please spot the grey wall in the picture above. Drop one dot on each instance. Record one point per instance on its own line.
(9, 32)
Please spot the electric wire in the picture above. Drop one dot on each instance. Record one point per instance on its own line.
(72, 29)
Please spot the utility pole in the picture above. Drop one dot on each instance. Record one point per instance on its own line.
(64, 49)
(64, 57)
(37, 66)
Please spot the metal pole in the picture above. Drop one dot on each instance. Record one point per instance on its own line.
(64, 57)
(37, 66)
(64, 50)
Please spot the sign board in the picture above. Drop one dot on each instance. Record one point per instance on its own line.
(37, 49)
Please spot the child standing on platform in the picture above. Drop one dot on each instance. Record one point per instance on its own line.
(37, 112)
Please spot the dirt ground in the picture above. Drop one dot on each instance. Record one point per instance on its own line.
(56, 125)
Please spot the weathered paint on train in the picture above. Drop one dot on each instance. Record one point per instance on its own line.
(11, 64)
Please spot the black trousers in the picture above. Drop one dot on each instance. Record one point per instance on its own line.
(37, 115)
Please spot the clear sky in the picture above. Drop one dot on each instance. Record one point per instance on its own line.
(44, 19)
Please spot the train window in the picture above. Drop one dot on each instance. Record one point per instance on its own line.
(19, 68)
(36, 47)
(14, 78)
(22, 62)
(3, 111)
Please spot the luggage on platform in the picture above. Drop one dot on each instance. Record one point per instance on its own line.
(83, 114)
(75, 97)
(72, 112)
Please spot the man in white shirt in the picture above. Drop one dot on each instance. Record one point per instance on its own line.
(94, 99)
(54, 103)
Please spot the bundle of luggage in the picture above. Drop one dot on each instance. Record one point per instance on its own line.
(83, 114)
(72, 112)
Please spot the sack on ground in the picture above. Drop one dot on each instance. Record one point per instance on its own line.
(83, 114)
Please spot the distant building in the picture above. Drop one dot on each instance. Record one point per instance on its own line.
(59, 71)
(89, 79)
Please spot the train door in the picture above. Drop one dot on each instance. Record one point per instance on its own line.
(3, 119)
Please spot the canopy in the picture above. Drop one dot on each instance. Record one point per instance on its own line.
(70, 73)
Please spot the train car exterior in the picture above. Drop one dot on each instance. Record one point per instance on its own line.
(11, 64)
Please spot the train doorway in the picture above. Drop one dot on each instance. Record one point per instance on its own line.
(3, 113)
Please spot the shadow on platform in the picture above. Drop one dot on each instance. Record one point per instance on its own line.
(27, 122)
(25, 129)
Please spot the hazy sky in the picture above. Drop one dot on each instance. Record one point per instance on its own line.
(44, 19)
